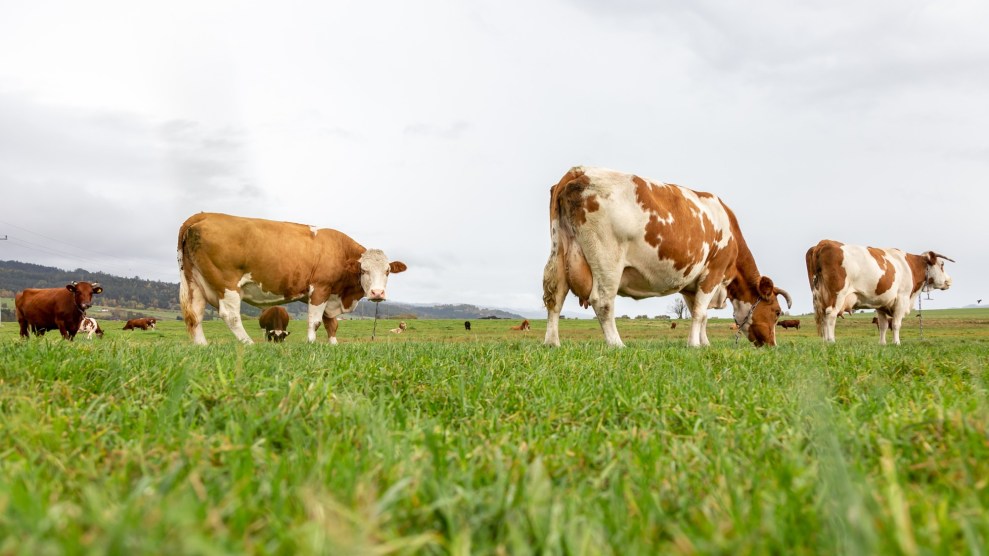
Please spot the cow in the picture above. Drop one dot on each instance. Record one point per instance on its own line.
(889, 322)
(90, 327)
(274, 320)
(673, 326)
(51, 308)
(789, 323)
(401, 328)
(143, 323)
(614, 233)
(524, 326)
(848, 277)
(733, 327)
(467, 325)
(224, 260)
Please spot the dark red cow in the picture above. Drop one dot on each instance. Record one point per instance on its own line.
(143, 323)
(51, 308)
(792, 323)
(274, 320)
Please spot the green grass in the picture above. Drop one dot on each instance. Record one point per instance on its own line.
(442, 441)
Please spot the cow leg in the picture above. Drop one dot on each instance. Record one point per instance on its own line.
(331, 324)
(193, 301)
(554, 294)
(698, 304)
(882, 323)
(315, 317)
(897, 324)
(602, 300)
(230, 313)
(830, 320)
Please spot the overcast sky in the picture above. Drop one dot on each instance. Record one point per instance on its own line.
(434, 129)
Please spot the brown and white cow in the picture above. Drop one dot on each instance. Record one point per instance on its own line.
(401, 328)
(274, 320)
(847, 277)
(225, 259)
(620, 234)
(789, 323)
(143, 323)
(51, 308)
(89, 326)
(523, 326)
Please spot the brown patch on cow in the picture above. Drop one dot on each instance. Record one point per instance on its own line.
(591, 204)
(681, 241)
(918, 270)
(889, 274)
(826, 274)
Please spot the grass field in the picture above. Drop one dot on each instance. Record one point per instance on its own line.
(442, 441)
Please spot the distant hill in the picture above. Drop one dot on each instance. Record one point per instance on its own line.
(137, 293)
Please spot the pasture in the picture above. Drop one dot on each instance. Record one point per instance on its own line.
(443, 441)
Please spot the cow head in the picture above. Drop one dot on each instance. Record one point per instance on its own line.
(83, 293)
(757, 318)
(277, 335)
(936, 277)
(374, 268)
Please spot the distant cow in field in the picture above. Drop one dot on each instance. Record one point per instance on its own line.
(523, 326)
(89, 326)
(225, 260)
(848, 277)
(467, 325)
(401, 328)
(274, 320)
(733, 327)
(673, 326)
(143, 323)
(792, 323)
(889, 322)
(51, 308)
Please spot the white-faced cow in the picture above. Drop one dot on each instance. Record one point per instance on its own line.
(225, 259)
(848, 277)
(89, 326)
(619, 234)
(142, 323)
(55, 308)
(274, 320)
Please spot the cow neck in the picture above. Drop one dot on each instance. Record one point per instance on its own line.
(919, 269)
(745, 285)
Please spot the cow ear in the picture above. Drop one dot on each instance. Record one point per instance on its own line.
(98, 289)
(397, 266)
(931, 258)
(71, 287)
(766, 288)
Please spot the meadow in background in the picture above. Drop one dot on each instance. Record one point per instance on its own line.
(444, 441)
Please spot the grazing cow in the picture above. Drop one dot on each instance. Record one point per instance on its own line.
(889, 322)
(619, 234)
(401, 328)
(673, 326)
(789, 323)
(90, 327)
(51, 308)
(143, 323)
(274, 320)
(467, 325)
(733, 327)
(225, 259)
(523, 326)
(847, 277)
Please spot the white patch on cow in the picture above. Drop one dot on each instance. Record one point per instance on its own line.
(254, 292)
(314, 230)
(374, 272)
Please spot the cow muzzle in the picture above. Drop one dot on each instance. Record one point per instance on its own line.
(376, 295)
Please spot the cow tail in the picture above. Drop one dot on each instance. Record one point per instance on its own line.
(187, 236)
(561, 242)
(815, 279)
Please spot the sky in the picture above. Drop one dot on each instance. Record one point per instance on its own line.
(434, 130)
